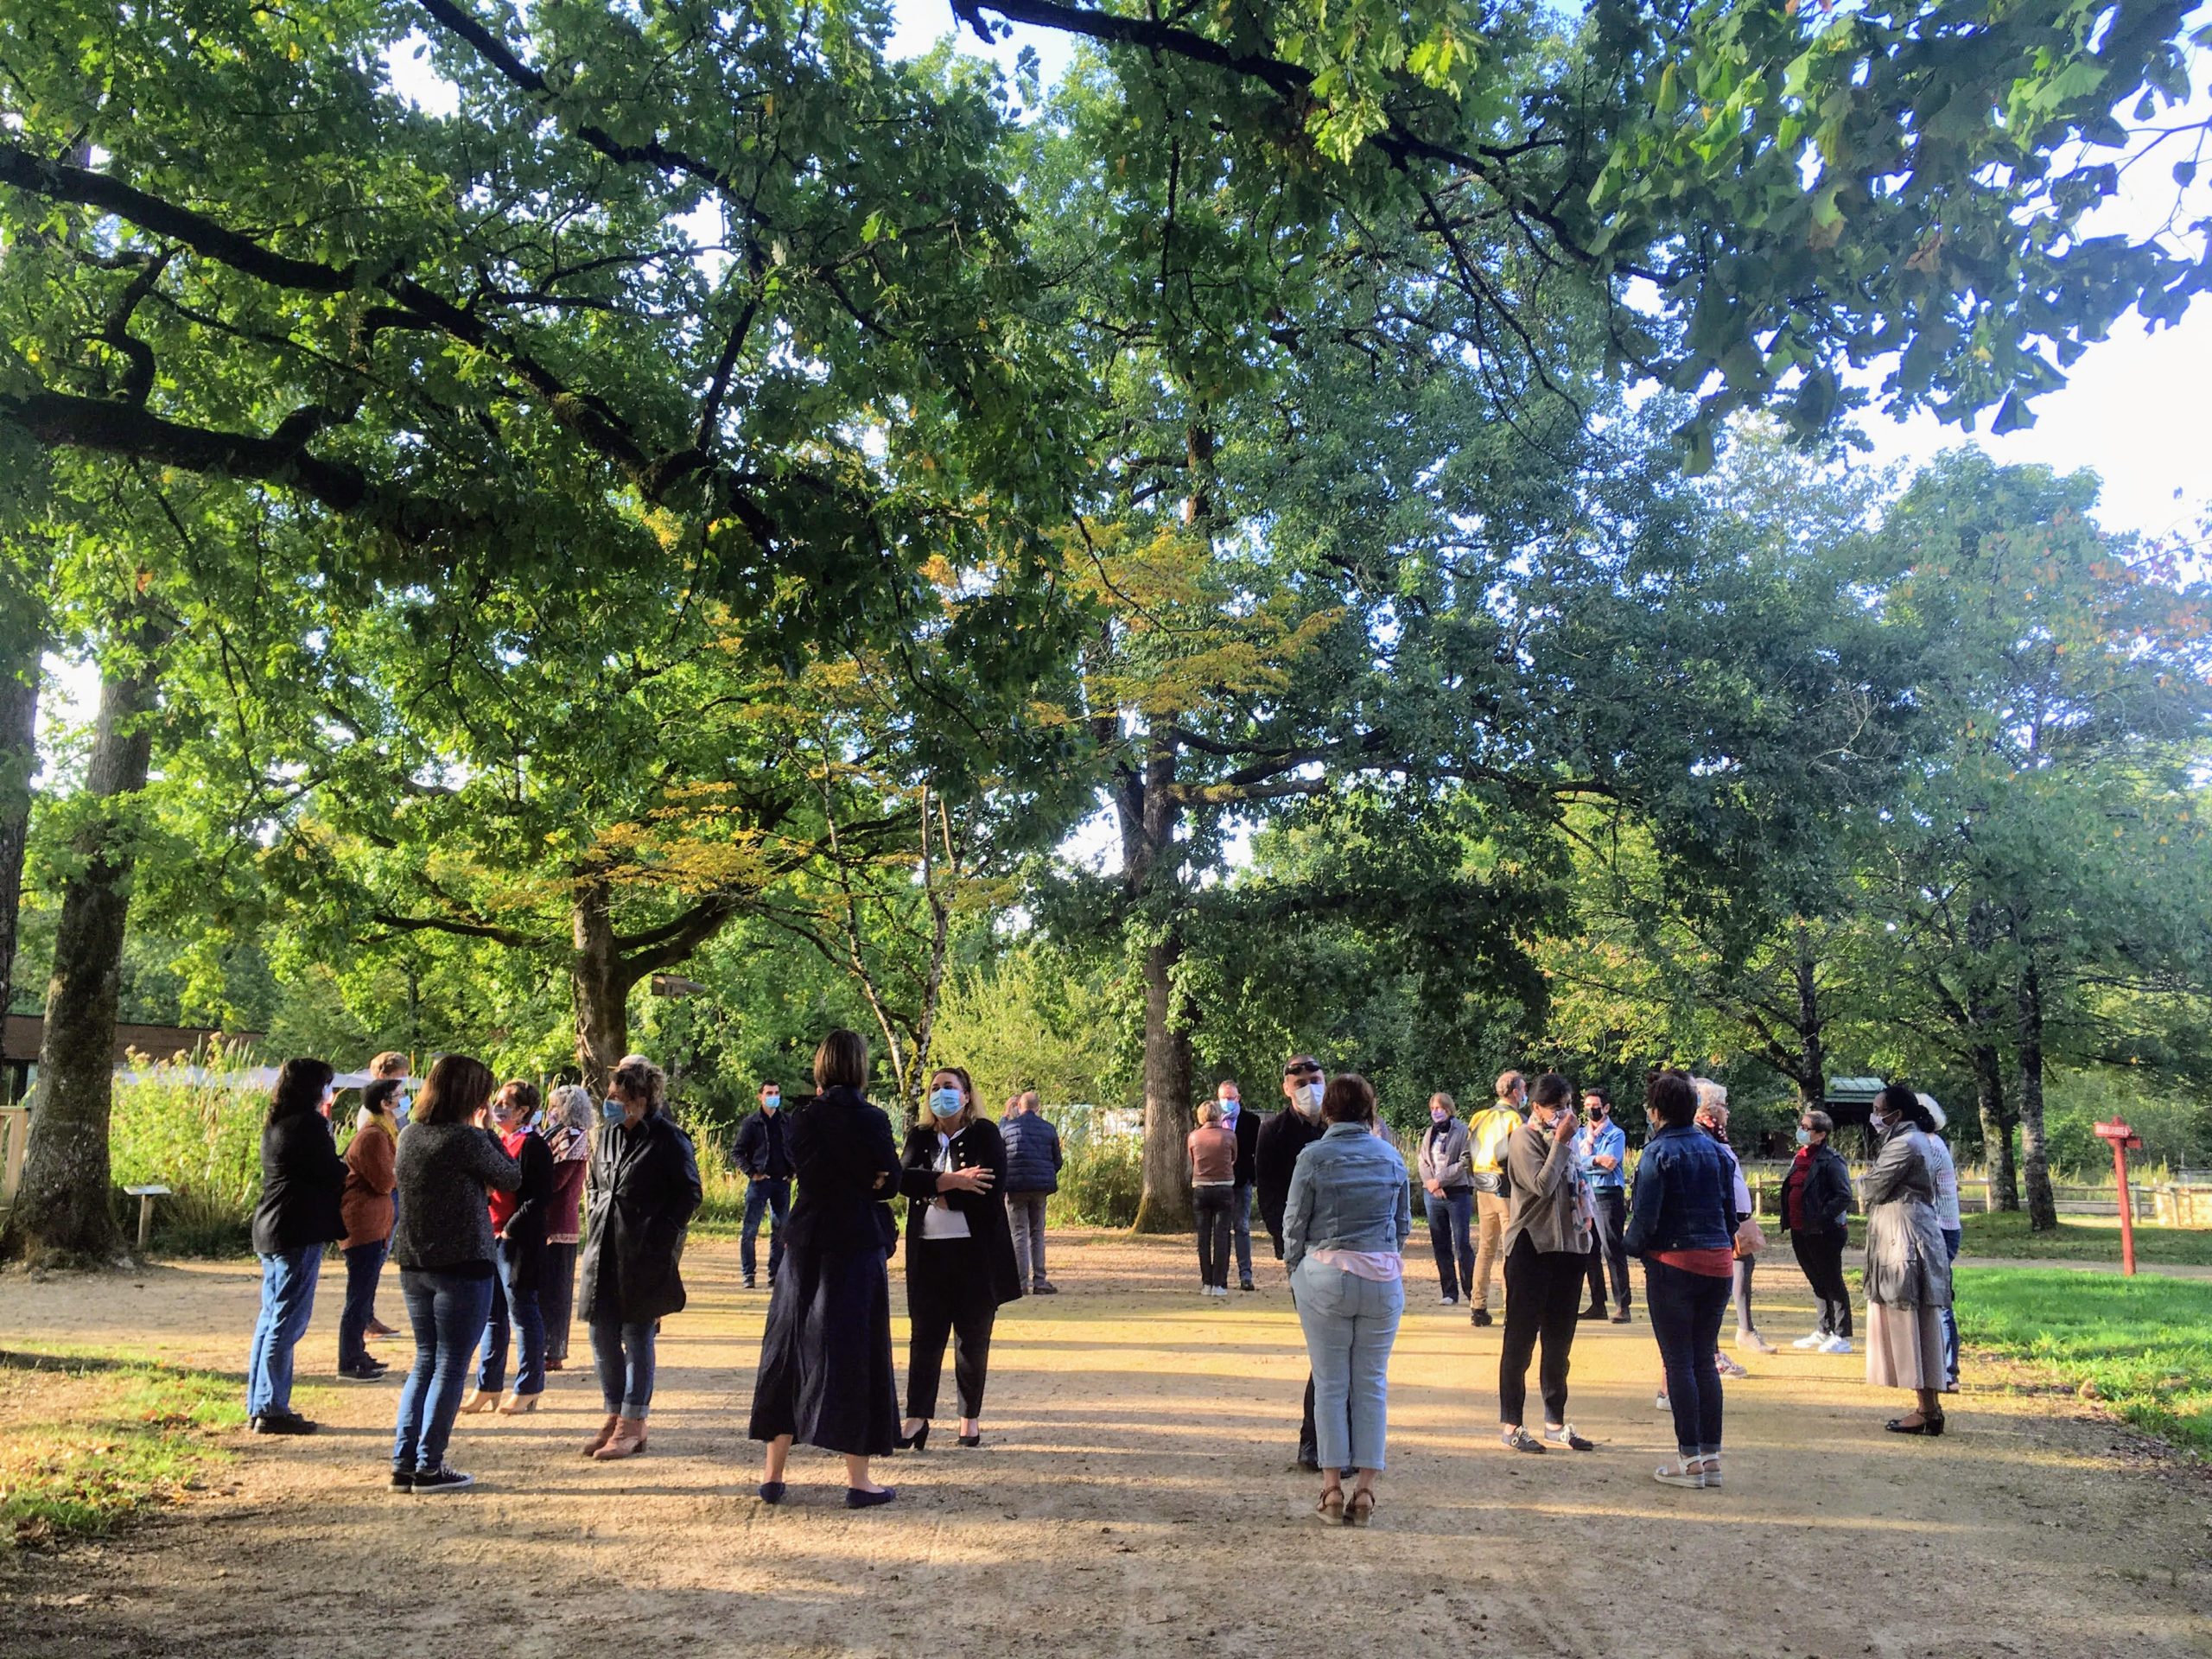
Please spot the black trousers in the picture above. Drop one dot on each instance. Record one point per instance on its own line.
(949, 1295)
(1611, 1254)
(1309, 1446)
(1543, 1298)
(1821, 1255)
(1213, 1204)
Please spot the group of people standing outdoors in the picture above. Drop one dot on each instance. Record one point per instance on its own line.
(502, 1211)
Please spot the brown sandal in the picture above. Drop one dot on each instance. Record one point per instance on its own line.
(1330, 1508)
(1359, 1508)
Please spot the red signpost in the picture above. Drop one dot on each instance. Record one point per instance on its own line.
(2124, 1140)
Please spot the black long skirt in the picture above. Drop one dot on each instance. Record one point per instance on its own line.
(826, 1376)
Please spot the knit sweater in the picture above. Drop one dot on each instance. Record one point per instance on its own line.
(445, 1171)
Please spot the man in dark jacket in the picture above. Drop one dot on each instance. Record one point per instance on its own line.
(1816, 1214)
(1274, 1155)
(1245, 1126)
(1033, 1174)
(764, 1154)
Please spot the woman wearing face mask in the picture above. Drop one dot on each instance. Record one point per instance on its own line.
(641, 1193)
(1275, 1160)
(519, 1229)
(1450, 1199)
(960, 1265)
(826, 1376)
(1548, 1243)
(1907, 1271)
(1947, 1219)
(571, 1119)
(1712, 1118)
(1816, 1214)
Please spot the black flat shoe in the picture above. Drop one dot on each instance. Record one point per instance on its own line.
(772, 1491)
(917, 1440)
(857, 1499)
(1592, 1314)
(1931, 1427)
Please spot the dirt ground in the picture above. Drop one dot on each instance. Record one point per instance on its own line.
(1133, 1496)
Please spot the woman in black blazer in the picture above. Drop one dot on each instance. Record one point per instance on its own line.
(825, 1373)
(960, 1263)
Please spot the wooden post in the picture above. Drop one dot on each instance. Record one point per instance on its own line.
(146, 1195)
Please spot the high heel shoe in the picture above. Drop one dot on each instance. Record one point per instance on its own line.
(1331, 1509)
(515, 1404)
(479, 1400)
(974, 1439)
(1359, 1508)
(915, 1442)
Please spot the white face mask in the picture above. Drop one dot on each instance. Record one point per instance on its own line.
(1308, 1098)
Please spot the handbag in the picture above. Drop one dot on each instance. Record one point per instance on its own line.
(1750, 1238)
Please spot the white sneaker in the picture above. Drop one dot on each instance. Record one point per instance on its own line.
(1810, 1340)
(1836, 1345)
(1661, 1404)
(1728, 1366)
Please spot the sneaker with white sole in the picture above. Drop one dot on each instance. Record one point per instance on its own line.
(1728, 1366)
(1565, 1436)
(443, 1478)
(1661, 1404)
(1811, 1340)
(1835, 1346)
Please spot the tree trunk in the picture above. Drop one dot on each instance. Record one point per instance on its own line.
(1812, 1076)
(598, 987)
(2034, 1165)
(1996, 1126)
(1164, 1205)
(1149, 816)
(19, 668)
(64, 1210)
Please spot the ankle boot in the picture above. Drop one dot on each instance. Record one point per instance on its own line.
(606, 1433)
(478, 1399)
(628, 1439)
(515, 1404)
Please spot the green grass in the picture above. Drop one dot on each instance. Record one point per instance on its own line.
(2081, 1238)
(88, 1441)
(2141, 1347)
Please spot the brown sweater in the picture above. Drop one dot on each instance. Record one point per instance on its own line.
(1213, 1154)
(370, 1174)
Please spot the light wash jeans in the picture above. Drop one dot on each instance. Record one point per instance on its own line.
(1351, 1325)
(288, 1281)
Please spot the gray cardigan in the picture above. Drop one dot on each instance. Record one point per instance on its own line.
(1545, 1201)
(1444, 1160)
(445, 1170)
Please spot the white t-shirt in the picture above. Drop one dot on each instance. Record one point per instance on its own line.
(940, 1219)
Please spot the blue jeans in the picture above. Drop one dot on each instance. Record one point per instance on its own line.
(447, 1313)
(773, 1194)
(1952, 1236)
(1686, 1309)
(517, 1309)
(623, 1355)
(1240, 1230)
(364, 1265)
(1351, 1324)
(1451, 1219)
(287, 1280)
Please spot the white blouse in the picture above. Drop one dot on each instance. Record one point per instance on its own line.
(940, 1219)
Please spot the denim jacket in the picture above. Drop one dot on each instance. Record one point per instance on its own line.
(1347, 1191)
(1685, 1197)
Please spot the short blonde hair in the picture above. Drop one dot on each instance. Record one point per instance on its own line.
(1209, 1111)
(1508, 1082)
(390, 1064)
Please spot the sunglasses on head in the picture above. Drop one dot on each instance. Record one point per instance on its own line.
(1301, 1071)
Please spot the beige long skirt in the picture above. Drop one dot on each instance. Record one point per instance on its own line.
(1905, 1346)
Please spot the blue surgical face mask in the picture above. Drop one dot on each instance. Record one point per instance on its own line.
(611, 1110)
(945, 1103)
(769, 1102)
(1804, 1137)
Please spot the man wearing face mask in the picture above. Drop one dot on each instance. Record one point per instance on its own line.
(1245, 1126)
(1487, 1135)
(1602, 1149)
(1282, 1138)
(764, 1154)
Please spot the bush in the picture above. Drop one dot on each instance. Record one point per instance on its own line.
(721, 1184)
(1100, 1182)
(198, 1137)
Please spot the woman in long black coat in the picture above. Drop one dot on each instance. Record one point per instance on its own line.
(960, 1261)
(825, 1358)
(641, 1196)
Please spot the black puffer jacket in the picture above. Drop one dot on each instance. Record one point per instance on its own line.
(641, 1196)
(302, 1182)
